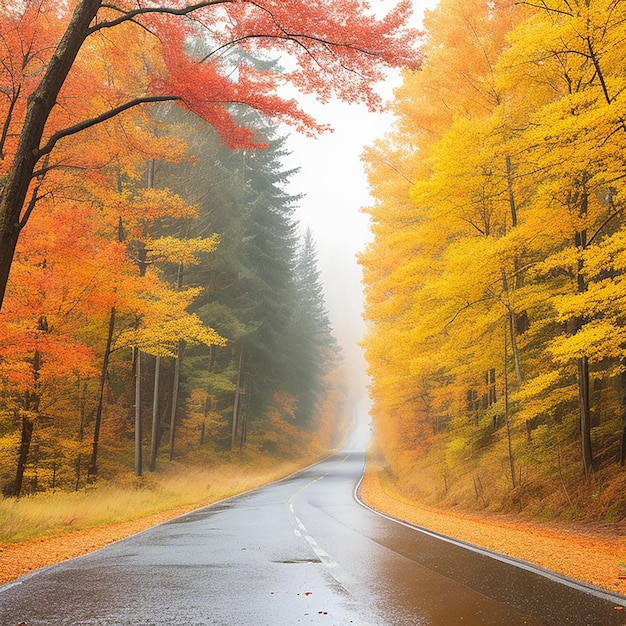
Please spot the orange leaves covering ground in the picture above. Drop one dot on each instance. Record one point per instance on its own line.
(591, 555)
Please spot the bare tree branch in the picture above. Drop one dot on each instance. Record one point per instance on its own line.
(129, 16)
(103, 117)
(545, 7)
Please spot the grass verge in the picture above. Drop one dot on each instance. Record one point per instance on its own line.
(130, 498)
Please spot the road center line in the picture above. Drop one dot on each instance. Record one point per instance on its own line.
(300, 529)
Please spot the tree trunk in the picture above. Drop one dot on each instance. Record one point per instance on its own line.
(584, 403)
(82, 393)
(138, 433)
(509, 182)
(244, 419)
(39, 106)
(622, 448)
(506, 402)
(22, 460)
(92, 469)
(585, 414)
(30, 408)
(156, 422)
(179, 352)
(511, 322)
(235, 425)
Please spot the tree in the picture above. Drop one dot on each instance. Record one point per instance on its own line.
(310, 343)
(49, 49)
(577, 136)
(444, 195)
(499, 204)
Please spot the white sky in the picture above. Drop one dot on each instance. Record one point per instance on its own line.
(331, 175)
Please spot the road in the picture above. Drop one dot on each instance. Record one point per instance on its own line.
(299, 551)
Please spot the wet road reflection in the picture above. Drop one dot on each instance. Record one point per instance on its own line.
(300, 551)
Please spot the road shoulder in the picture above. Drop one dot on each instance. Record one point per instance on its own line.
(592, 555)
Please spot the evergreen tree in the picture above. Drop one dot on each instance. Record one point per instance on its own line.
(313, 347)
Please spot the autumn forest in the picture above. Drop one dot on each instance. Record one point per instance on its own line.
(495, 282)
(160, 302)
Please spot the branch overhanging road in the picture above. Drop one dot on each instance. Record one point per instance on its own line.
(300, 551)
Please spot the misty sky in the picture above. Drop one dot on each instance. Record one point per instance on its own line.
(336, 189)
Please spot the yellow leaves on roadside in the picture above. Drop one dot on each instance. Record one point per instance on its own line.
(597, 340)
(541, 396)
(608, 256)
(498, 226)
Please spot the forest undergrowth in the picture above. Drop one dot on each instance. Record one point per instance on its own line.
(547, 489)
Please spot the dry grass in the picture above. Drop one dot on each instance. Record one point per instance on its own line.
(129, 498)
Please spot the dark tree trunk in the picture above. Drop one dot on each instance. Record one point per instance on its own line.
(138, 429)
(156, 422)
(30, 409)
(584, 403)
(507, 419)
(622, 448)
(585, 414)
(27, 437)
(93, 465)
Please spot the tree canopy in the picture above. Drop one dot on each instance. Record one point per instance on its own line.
(498, 198)
(86, 69)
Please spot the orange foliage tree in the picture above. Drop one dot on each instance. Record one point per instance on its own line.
(68, 68)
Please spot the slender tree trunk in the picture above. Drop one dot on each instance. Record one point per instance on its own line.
(509, 181)
(82, 396)
(156, 422)
(235, 425)
(516, 278)
(584, 403)
(511, 323)
(138, 429)
(93, 463)
(244, 420)
(22, 459)
(622, 448)
(506, 405)
(585, 414)
(179, 352)
(516, 359)
(29, 410)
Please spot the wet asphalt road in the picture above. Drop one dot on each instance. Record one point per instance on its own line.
(300, 551)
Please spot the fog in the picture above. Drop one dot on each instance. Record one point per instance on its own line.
(332, 178)
(335, 188)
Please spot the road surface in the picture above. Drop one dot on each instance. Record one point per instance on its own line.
(299, 551)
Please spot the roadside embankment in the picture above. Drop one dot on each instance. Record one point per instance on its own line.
(588, 554)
